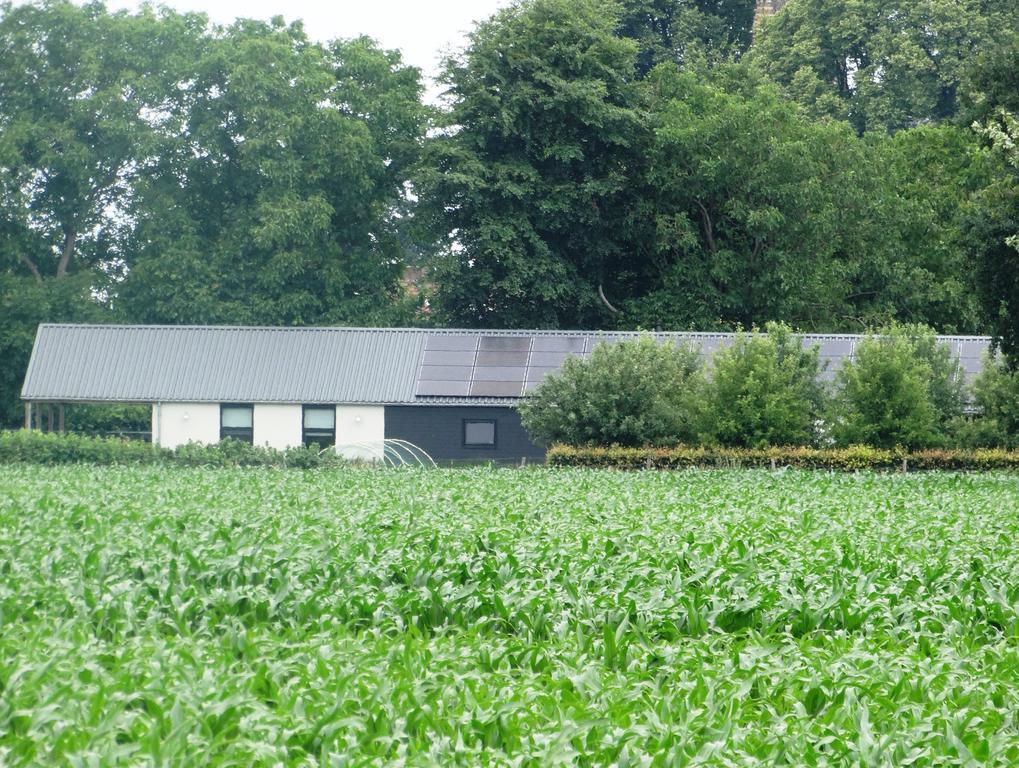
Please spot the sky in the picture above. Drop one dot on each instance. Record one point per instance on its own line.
(424, 30)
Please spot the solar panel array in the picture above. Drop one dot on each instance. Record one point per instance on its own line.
(509, 366)
(492, 366)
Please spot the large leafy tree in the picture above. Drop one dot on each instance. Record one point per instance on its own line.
(80, 92)
(881, 64)
(759, 213)
(156, 168)
(994, 226)
(530, 182)
(675, 30)
(278, 196)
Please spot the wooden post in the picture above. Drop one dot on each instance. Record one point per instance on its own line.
(49, 417)
(38, 418)
(60, 417)
(28, 415)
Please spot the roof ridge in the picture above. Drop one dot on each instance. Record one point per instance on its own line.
(464, 331)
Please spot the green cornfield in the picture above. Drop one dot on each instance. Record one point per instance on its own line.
(353, 617)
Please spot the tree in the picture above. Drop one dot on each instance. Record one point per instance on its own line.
(639, 392)
(278, 195)
(79, 89)
(902, 387)
(881, 64)
(673, 30)
(994, 226)
(759, 214)
(530, 183)
(764, 390)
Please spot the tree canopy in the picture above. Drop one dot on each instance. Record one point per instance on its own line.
(631, 164)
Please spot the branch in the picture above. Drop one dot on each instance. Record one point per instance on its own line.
(65, 258)
(601, 294)
(758, 244)
(708, 231)
(31, 267)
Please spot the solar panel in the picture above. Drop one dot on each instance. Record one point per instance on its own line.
(549, 359)
(445, 373)
(501, 358)
(443, 357)
(834, 348)
(506, 343)
(442, 342)
(536, 374)
(971, 365)
(558, 344)
(496, 388)
(442, 388)
(971, 350)
(499, 373)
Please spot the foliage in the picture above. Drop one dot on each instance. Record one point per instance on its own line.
(17, 447)
(995, 224)
(881, 64)
(679, 30)
(96, 419)
(764, 390)
(996, 397)
(902, 387)
(246, 617)
(758, 213)
(629, 392)
(931, 180)
(849, 459)
(304, 152)
(79, 86)
(529, 183)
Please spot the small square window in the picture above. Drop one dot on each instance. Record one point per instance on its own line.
(479, 433)
(236, 421)
(319, 426)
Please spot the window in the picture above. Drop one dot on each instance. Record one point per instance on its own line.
(236, 420)
(319, 426)
(479, 433)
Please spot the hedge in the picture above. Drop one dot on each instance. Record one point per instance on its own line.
(843, 459)
(49, 448)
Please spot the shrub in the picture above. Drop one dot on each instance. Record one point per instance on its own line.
(901, 388)
(108, 418)
(764, 390)
(50, 448)
(851, 458)
(996, 397)
(635, 392)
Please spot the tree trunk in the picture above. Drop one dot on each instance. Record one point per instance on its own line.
(70, 237)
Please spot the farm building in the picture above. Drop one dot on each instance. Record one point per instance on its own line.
(450, 392)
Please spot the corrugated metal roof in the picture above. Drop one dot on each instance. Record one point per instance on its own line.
(130, 363)
(196, 364)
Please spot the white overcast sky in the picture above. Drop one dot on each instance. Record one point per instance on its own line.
(423, 30)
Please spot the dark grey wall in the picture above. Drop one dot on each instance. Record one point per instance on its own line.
(439, 431)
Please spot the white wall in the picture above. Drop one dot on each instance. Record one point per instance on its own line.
(277, 425)
(360, 430)
(174, 424)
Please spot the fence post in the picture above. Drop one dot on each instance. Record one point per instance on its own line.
(905, 464)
